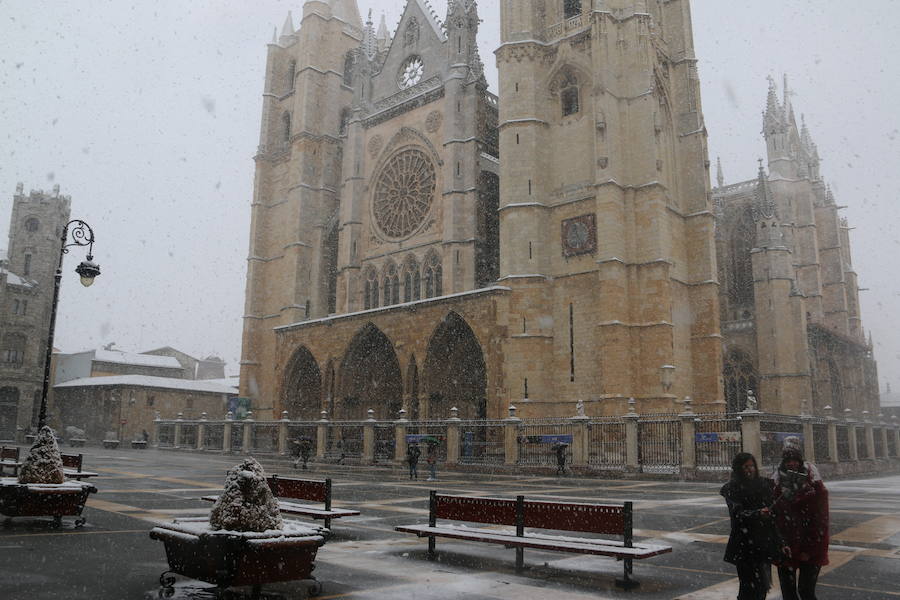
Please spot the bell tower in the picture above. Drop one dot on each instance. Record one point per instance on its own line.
(606, 227)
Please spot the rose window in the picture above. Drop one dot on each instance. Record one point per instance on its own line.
(403, 193)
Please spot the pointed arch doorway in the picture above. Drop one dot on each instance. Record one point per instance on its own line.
(303, 386)
(370, 377)
(454, 373)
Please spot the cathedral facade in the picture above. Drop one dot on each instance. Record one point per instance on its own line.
(789, 295)
(418, 243)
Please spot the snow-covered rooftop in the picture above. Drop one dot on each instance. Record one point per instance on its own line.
(129, 358)
(13, 279)
(187, 385)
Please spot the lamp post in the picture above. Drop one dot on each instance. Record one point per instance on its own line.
(82, 235)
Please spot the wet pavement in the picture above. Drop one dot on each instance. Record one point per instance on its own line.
(112, 556)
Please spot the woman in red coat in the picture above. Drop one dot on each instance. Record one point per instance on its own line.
(801, 513)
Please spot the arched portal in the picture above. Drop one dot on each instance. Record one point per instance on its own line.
(454, 371)
(740, 376)
(302, 386)
(370, 377)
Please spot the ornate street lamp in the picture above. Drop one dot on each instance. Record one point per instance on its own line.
(82, 235)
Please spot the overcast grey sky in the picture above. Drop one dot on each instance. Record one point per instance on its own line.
(147, 114)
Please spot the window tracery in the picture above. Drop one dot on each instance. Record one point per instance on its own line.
(740, 377)
(411, 34)
(433, 277)
(370, 291)
(571, 8)
(740, 264)
(391, 286)
(404, 192)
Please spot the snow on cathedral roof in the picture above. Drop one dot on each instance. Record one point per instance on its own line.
(130, 358)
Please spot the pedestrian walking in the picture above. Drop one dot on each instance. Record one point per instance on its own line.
(561, 450)
(145, 435)
(412, 458)
(801, 514)
(754, 543)
(304, 450)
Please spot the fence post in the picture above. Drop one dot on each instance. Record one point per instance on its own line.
(750, 440)
(511, 437)
(400, 437)
(870, 435)
(896, 436)
(176, 442)
(453, 437)
(226, 432)
(368, 456)
(156, 420)
(201, 432)
(851, 434)
(688, 447)
(283, 433)
(248, 433)
(809, 445)
(631, 437)
(831, 423)
(322, 435)
(580, 441)
(885, 448)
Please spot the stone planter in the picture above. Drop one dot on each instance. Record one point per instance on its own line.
(111, 444)
(55, 500)
(139, 444)
(77, 442)
(231, 558)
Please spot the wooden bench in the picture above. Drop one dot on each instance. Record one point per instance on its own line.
(72, 467)
(303, 489)
(9, 459)
(600, 519)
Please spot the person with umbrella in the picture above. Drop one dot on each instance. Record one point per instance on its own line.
(304, 449)
(561, 448)
(412, 458)
(431, 456)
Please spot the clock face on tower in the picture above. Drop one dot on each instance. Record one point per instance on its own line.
(411, 72)
(579, 235)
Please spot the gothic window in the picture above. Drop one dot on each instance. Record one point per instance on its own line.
(26, 267)
(740, 377)
(286, 127)
(411, 280)
(32, 225)
(568, 94)
(289, 77)
(403, 193)
(740, 264)
(371, 290)
(487, 242)
(391, 286)
(411, 34)
(345, 121)
(571, 8)
(349, 61)
(433, 275)
(331, 270)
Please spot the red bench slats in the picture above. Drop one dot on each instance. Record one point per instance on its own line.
(12, 453)
(72, 461)
(301, 489)
(493, 511)
(589, 518)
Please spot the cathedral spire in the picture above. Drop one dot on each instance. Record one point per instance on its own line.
(773, 117)
(369, 43)
(347, 11)
(764, 205)
(383, 34)
(288, 27)
(720, 176)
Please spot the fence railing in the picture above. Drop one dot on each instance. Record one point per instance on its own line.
(667, 444)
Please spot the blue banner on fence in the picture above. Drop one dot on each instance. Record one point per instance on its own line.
(562, 438)
(779, 436)
(416, 438)
(717, 437)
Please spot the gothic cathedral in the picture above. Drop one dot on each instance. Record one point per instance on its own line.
(418, 243)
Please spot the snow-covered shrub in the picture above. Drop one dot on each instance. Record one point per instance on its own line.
(247, 503)
(43, 463)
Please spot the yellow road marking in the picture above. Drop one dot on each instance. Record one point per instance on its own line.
(873, 530)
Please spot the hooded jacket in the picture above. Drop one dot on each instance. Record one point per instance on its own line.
(753, 537)
(801, 513)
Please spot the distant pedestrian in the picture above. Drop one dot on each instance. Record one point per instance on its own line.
(431, 459)
(304, 449)
(754, 543)
(412, 458)
(145, 436)
(561, 450)
(801, 513)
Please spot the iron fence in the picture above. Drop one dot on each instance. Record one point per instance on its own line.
(606, 444)
(843, 442)
(385, 442)
(344, 440)
(540, 442)
(165, 436)
(892, 444)
(431, 437)
(264, 438)
(879, 444)
(188, 435)
(820, 443)
(237, 436)
(862, 449)
(659, 444)
(773, 430)
(214, 436)
(717, 438)
(482, 443)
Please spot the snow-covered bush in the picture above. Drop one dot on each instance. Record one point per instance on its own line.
(43, 463)
(247, 503)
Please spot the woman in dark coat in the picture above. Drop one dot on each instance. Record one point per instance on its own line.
(801, 513)
(754, 543)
